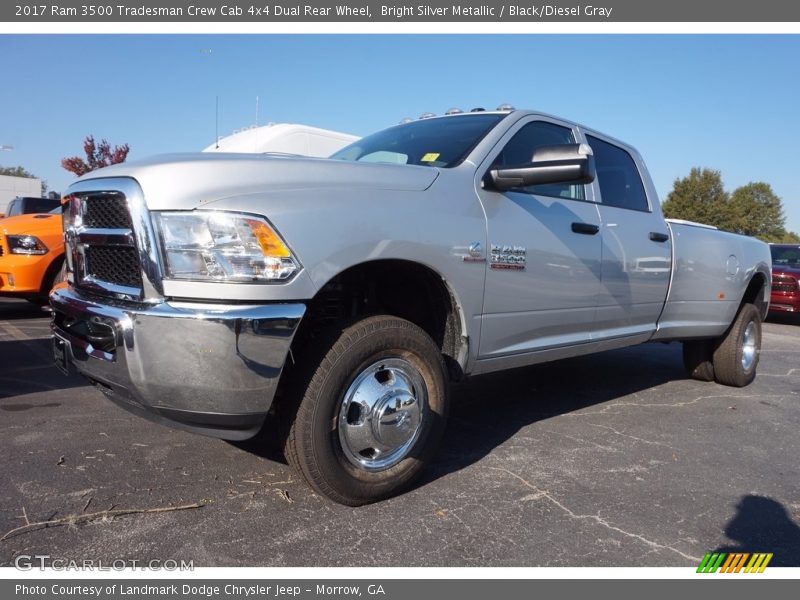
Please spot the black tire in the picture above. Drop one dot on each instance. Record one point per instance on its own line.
(57, 271)
(314, 445)
(698, 356)
(731, 367)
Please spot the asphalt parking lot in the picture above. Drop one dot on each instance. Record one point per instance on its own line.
(608, 460)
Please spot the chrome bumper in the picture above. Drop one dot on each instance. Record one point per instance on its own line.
(209, 368)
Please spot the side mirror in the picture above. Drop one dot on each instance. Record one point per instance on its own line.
(564, 163)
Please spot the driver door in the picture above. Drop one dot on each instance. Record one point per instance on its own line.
(548, 299)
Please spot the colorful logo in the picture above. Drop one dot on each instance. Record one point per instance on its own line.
(735, 562)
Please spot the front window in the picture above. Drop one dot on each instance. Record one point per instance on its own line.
(442, 142)
(519, 151)
(787, 256)
(14, 208)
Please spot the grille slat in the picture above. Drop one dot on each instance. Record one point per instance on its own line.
(118, 265)
(107, 211)
(784, 283)
(106, 260)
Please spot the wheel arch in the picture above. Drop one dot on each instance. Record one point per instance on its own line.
(757, 292)
(403, 288)
(50, 273)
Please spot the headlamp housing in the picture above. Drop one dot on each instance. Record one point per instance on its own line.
(25, 244)
(223, 247)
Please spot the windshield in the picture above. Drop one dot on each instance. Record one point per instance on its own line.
(441, 142)
(788, 256)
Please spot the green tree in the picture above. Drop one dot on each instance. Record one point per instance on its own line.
(755, 210)
(22, 172)
(16, 172)
(700, 197)
(788, 237)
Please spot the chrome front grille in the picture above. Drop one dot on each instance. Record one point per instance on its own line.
(108, 236)
(784, 283)
(106, 211)
(118, 265)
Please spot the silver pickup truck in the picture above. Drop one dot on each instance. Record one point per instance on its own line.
(341, 296)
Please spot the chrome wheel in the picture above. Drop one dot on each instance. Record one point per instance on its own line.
(749, 346)
(381, 414)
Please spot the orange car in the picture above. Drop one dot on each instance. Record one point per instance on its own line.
(31, 255)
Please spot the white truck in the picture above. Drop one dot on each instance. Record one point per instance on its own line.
(284, 138)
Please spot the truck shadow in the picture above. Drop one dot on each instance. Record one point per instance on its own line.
(12, 309)
(26, 367)
(784, 318)
(487, 411)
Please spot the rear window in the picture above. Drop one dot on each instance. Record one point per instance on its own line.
(618, 177)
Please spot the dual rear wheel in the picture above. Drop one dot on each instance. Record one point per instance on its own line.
(733, 358)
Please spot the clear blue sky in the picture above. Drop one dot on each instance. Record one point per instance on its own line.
(720, 101)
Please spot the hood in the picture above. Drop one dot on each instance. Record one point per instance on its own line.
(31, 224)
(787, 270)
(185, 181)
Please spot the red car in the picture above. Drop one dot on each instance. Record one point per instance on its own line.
(785, 278)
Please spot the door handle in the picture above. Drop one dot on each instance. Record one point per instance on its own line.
(658, 236)
(585, 228)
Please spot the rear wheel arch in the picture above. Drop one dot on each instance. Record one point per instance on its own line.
(754, 293)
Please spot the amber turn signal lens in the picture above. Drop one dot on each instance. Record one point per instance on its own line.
(271, 244)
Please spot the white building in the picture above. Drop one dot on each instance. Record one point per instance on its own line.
(11, 187)
(286, 138)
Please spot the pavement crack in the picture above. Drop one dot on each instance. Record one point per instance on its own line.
(605, 410)
(538, 494)
(633, 437)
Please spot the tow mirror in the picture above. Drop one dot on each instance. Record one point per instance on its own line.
(564, 163)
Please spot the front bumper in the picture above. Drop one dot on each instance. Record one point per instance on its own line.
(785, 302)
(208, 368)
(23, 274)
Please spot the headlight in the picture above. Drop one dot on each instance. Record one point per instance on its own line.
(222, 247)
(26, 244)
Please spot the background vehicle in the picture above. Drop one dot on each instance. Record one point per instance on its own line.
(352, 291)
(286, 138)
(785, 278)
(29, 205)
(31, 254)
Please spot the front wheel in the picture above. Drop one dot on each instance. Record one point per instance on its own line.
(373, 405)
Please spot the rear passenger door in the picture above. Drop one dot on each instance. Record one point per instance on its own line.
(636, 250)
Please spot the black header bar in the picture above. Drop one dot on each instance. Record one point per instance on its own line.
(430, 11)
